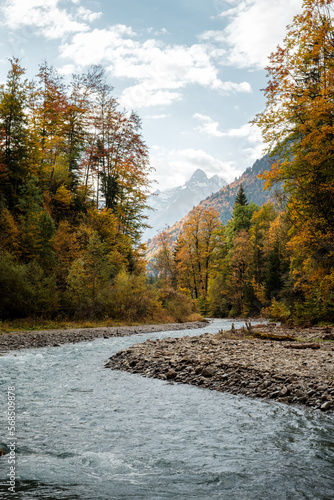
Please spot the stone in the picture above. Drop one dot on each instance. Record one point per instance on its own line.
(327, 397)
(326, 406)
(284, 392)
(274, 395)
(171, 374)
(208, 371)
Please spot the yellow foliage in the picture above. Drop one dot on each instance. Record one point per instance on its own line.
(9, 232)
(278, 311)
(63, 196)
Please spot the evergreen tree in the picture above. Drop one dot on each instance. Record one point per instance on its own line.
(241, 198)
(15, 144)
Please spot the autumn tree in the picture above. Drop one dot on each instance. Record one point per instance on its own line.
(36, 225)
(48, 103)
(74, 177)
(115, 161)
(164, 259)
(195, 250)
(297, 122)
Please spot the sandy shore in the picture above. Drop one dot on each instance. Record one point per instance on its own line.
(54, 338)
(297, 370)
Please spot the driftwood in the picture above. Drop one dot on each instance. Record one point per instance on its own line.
(304, 345)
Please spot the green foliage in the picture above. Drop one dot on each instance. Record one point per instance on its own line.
(241, 198)
(15, 290)
(16, 152)
(242, 216)
(88, 278)
(26, 290)
(219, 298)
(37, 227)
(133, 299)
(44, 296)
(178, 305)
(273, 277)
(278, 311)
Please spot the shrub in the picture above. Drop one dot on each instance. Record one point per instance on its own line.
(26, 290)
(179, 306)
(15, 291)
(132, 298)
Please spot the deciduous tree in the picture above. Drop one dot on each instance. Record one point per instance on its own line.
(195, 250)
(297, 122)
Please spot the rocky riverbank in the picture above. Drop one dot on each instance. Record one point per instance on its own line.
(54, 338)
(289, 366)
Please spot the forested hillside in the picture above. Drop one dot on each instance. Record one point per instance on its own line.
(73, 186)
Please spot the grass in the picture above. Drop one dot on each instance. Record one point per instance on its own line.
(33, 324)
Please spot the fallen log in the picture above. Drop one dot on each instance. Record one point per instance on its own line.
(304, 345)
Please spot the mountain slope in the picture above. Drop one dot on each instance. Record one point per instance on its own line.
(171, 205)
(223, 201)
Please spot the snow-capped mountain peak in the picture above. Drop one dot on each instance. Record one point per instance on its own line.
(170, 205)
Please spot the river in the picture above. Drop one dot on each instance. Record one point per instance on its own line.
(86, 432)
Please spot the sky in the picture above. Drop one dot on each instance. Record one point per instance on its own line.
(193, 70)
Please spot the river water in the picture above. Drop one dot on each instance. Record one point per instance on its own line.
(86, 432)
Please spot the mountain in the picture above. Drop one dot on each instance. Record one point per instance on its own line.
(171, 205)
(223, 200)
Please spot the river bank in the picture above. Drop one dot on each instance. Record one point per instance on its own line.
(267, 361)
(54, 338)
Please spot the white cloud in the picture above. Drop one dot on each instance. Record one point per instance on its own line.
(208, 126)
(140, 96)
(160, 71)
(46, 17)
(88, 15)
(255, 29)
(248, 131)
(175, 167)
(252, 144)
(67, 69)
(157, 117)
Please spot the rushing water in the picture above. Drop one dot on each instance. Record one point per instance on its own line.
(86, 432)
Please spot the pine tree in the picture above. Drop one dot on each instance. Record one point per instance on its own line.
(241, 198)
(15, 141)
